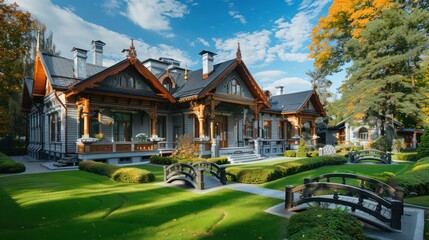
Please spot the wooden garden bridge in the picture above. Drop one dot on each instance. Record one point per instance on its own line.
(193, 174)
(371, 201)
(370, 154)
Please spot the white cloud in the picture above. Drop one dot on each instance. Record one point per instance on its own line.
(237, 15)
(289, 2)
(270, 75)
(155, 14)
(294, 33)
(203, 41)
(72, 31)
(253, 45)
(111, 7)
(290, 84)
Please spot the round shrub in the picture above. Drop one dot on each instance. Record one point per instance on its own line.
(290, 153)
(317, 223)
(10, 166)
(133, 175)
(85, 164)
(423, 148)
(218, 160)
(163, 160)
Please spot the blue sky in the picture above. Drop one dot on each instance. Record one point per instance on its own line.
(274, 35)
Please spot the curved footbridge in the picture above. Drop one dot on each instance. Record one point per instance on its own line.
(195, 174)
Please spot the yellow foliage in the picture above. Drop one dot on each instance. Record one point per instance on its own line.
(344, 18)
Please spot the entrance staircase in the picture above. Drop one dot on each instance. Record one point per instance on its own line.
(69, 160)
(244, 158)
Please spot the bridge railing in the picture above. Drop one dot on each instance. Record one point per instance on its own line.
(380, 188)
(193, 173)
(356, 198)
(370, 154)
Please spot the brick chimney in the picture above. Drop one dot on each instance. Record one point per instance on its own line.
(207, 62)
(97, 52)
(79, 69)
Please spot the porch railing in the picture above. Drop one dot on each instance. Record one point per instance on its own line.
(111, 147)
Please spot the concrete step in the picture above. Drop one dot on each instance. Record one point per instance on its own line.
(245, 158)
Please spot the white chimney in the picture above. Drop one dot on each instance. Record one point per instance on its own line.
(280, 90)
(79, 63)
(207, 63)
(97, 52)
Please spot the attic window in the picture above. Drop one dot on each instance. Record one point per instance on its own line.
(234, 87)
(167, 83)
(126, 81)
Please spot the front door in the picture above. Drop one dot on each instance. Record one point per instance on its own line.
(221, 130)
(122, 127)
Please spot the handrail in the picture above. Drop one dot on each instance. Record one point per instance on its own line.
(309, 189)
(370, 154)
(395, 193)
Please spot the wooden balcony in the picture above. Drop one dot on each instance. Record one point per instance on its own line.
(113, 147)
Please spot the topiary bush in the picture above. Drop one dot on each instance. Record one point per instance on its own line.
(290, 153)
(301, 154)
(126, 175)
(302, 145)
(264, 174)
(317, 223)
(133, 175)
(7, 165)
(162, 160)
(314, 153)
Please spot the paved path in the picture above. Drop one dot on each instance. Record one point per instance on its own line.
(31, 166)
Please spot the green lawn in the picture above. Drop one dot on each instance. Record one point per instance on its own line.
(361, 169)
(81, 205)
(266, 163)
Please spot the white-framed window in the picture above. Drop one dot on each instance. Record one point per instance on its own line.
(234, 87)
(363, 133)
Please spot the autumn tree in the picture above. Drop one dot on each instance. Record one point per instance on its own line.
(15, 42)
(346, 19)
(387, 64)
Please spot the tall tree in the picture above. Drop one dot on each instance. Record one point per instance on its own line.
(15, 28)
(321, 85)
(15, 42)
(385, 77)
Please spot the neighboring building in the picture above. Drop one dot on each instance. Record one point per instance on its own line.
(365, 134)
(70, 101)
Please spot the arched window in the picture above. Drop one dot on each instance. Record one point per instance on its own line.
(126, 81)
(363, 133)
(234, 87)
(167, 83)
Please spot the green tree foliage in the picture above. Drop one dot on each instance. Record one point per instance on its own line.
(321, 85)
(387, 62)
(423, 148)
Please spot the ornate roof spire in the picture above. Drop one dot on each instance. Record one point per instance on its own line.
(132, 52)
(38, 41)
(238, 53)
(186, 73)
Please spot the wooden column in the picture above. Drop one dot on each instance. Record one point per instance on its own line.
(198, 110)
(256, 124)
(85, 114)
(212, 118)
(153, 120)
(313, 132)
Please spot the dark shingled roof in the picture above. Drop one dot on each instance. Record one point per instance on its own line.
(126, 91)
(291, 102)
(196, 83)
(61, 70)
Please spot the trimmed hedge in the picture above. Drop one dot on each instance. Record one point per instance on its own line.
(290, 153)
(417, 180)
(301, 154)
(171, 160)
(116, 173)
(264, 174)
(317, 223)
(133, 175)
(409, 156)
(7, 165)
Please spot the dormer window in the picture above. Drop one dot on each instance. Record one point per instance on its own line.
(234, 87)
(126, 81)
(167, 83)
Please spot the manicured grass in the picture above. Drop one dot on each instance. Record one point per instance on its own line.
(361, 169)
(421, 201)
(266, 163)
(81, 205)
(158, 171)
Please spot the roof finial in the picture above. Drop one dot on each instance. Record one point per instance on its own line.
(132, 53)
(238, 53)
(186, 73)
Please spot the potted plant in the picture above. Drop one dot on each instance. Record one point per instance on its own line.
(141, 136)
